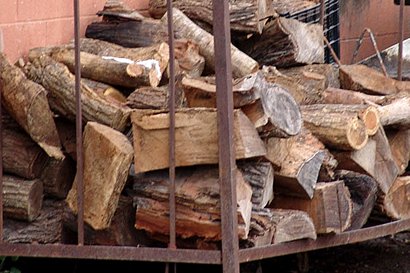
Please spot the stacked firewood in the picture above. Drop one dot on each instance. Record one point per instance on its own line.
(312, 158)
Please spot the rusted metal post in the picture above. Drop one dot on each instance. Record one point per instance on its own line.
(1, 157)
(322, 12)
(223, 72)
(78, 122)
(401, 38)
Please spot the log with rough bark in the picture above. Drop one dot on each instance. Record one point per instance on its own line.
(196, 133)
(396, 114)
(197, 203)
(107, 159)
(154, 98)
(331, 208)
(399, 141)
(242, 65)
(287, 42)
(341, 96)
(297, 161)
(275, 226)
(22, 198)
(368, 114)
(60, 83)
(336, 130)
(108, 92)
(247, 16)
(259, 175)
(26, 102)
(396, 202)
(46, 229)
(367, 80)
(273, 111)
(363, 192)
(58, 176)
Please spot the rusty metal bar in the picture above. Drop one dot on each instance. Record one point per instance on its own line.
(79, 129)
(332, 52)
(1, 158)
(401, 38)
(322, 12)
(345, 238)
(223, 72)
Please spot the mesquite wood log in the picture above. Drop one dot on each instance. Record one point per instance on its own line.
(287, 42)
(341, 96)
(196, 133)
(399, 141)
(336, 130)
(108, 92)
(242, 65)
(396, 202)
(396, 114)
(22, 198)
(331, 208)
(197, 203)
(58, 80)
(26, 102)
(154, 98)
(363, 192)
(58, 176)
(107, 159)
(297, 161)
(259, 175)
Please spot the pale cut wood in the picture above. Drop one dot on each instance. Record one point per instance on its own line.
(396, 202)
(197, 203)
(58, 176)
(342, 96)
(242, 65)
(336, 130)
(247, 16)
(259, 175)
(60, 83)
(26, 102)
(196, 135)
(22, 199)
(107, 159)
(190, 62)
(108, 92)
(287, 42)
(330, 209)
(399, 141)
(297, 161)
(396, 114)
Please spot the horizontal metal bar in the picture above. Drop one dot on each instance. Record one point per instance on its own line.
(112, 253)
(350, 237)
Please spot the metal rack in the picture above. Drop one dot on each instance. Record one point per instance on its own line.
(230, 256)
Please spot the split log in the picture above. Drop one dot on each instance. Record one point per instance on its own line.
(242, 65)
(396, 202)
(197, 203)
(368, 114)
(196, 133)
(190, 62)
(342, 96)
(399, 141)
(330, 209)
(67, 133)
(297, 161)
(287, 42)
(26, 102)
(363, 192)
(58, 176)
(107, 159)
(108, 92)
(22, 198)
(396, 114)
(275, 226)
(46, 229)
(336, 130)
(247, 16)
(259, 175)
(60, 83)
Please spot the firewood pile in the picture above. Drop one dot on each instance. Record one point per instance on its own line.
(319, 148)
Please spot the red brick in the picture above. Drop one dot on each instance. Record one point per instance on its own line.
(8, 13)
(59, 31)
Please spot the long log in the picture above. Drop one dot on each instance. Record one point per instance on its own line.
(26, 102)
(107, 159)
(22, 198)
(196, 131)
(330, 209)
(58, 80)
(287, 42)
(247, 16)
(396, 202)
(242, 65)
(197, 204)
(58, 176)
(189, 60)
(396, 114)
(342, 96)
(399, 141)
(297, 161)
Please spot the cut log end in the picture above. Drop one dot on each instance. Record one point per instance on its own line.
(371, 120)
(357, 136)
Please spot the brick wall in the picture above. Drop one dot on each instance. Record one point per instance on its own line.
(32, 23)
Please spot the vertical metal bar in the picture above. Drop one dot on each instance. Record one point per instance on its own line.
(401, 38)
(322, 12)
(79, 133)
(334, 55)
(223, 71)
(1, 157)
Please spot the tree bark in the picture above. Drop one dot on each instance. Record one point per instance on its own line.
(58, 176)
(60, 83)
(107, 159)
(341, 96)
(242, 65)
(396, 202)
(330, 209)
(396, 114)
(108, 92)
(26, 101)
(154, 98)
(399, 141)
(67, 133)
(22, 198)
(196, 133)
(190, 61)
